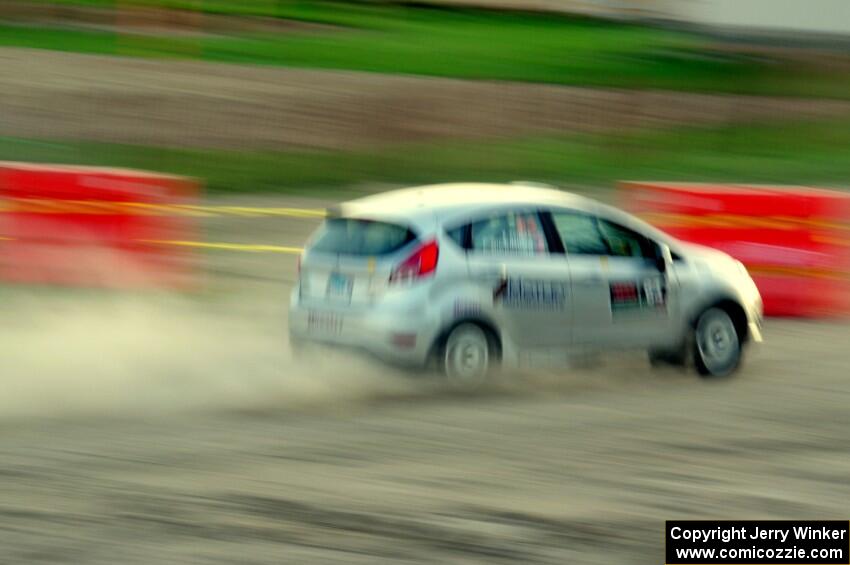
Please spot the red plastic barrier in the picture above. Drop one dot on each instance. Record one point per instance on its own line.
(88, 226)
(795, 241)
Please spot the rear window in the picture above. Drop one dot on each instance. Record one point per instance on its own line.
(347, 236)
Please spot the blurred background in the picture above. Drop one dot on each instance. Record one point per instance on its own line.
(170, 425)
(281, 96)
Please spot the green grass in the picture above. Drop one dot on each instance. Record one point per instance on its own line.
(473, 44)
(796, 153)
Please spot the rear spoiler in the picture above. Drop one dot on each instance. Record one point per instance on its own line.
(339, 212)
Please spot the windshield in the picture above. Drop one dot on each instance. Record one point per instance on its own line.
(347, 236)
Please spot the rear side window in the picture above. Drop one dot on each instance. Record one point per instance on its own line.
(459, 236)
(510, 234)
(348, 236)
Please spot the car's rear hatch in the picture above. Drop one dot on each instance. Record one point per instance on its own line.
(348, 262)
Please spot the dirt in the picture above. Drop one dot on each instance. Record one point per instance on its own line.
(149, 20)
(53, 95)
(149, 428)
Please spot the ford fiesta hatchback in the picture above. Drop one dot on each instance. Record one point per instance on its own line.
(470, 277)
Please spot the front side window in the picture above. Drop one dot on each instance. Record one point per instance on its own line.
(623, 242)
(585, 234)
(580, 233)
(515, 233)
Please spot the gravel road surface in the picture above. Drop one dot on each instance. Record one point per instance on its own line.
(147, 428)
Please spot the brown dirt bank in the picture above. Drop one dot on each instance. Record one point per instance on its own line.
(48, 94)
(148, 20)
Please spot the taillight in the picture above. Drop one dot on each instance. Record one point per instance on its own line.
(421, 263)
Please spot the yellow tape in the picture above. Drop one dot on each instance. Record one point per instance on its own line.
(673, 220)
(662, 219)
(101, 207)
(808, 272)
(146, 209)
(248, 247)
(255, 211)
(832, 241)
(261, 248)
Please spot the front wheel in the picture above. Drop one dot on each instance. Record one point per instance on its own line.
(717, 345)
(469, 356)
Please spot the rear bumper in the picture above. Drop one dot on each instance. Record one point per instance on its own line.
(401, 335)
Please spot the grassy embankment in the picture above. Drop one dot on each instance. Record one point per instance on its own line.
(808, 153)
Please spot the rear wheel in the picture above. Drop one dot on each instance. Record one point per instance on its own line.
(717, 345)
(469, 356)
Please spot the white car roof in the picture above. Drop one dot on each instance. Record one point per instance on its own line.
(440, 201)
(423, 206)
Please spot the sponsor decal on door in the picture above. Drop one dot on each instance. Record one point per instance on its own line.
(645, 294)
(531, 294)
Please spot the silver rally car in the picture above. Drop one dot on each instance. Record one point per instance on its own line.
(470, 277)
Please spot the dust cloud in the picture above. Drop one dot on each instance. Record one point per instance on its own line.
(145, 353)
(137, 354)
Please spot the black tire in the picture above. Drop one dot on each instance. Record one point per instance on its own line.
(717, 344)
(469, 356)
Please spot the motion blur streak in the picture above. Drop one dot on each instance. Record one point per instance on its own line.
(143, 427)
